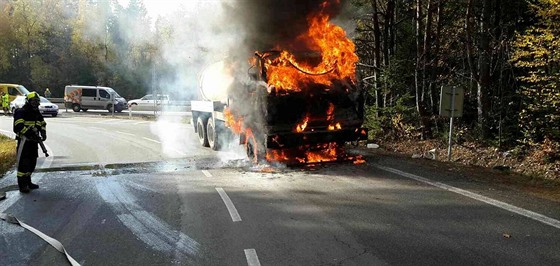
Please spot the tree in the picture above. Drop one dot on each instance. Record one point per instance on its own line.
(537, 57)
(6, 36)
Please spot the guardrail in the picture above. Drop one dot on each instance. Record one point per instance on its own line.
(56, 100)
(171, 106)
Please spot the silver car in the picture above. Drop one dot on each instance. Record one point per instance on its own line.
(46, 107)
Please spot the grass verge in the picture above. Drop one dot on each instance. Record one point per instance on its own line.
(7, 154)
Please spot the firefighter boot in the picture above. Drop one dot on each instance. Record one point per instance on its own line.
(31, 185)
(22, 184)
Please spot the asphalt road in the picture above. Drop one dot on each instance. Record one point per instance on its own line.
(137, 192)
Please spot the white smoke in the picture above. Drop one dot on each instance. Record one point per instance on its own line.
(196, 36)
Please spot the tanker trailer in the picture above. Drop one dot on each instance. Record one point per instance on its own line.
(310, 122)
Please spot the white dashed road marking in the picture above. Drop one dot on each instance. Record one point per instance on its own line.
(508, 207)
(229, 204)
(252, 258)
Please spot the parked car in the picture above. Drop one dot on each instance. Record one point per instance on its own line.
(18, 102)
(159, 102)
(150, 100)
(46, 107)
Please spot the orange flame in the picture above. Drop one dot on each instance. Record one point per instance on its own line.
(235, 124)
(337, 58)
(277, 156)
(301, 126)
(333, 58)
(336, 126)
(329, 153)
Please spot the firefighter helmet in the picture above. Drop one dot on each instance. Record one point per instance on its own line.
(32, 95)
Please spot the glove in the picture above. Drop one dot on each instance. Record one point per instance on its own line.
(43, 135)
(32, 136)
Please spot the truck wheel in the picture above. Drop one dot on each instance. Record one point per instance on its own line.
(201, 129)
(212, 135)
(76, 108)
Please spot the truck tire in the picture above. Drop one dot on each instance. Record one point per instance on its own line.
(76, 107)
(201, 129)
(212, 135)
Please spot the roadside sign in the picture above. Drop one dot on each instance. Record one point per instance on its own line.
(451, 101)
(451, 105)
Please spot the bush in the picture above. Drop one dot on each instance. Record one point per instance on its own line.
(7, 154)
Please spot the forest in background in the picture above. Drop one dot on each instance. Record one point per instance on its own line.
(505, 54)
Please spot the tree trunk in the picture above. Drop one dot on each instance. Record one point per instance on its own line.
(434, 66)
(387, 42)
(376, 54)
(419, 74)
(484, 81)
(427, 55)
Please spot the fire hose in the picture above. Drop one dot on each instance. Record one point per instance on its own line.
(40, 141)
(53, 242)
(13, 220)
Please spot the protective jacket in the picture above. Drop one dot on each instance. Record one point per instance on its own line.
(29, 125)
(5, 101)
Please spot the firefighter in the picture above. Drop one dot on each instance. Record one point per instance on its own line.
(5, 103)
(30, 129)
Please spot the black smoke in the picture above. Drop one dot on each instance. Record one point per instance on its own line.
(277, 23)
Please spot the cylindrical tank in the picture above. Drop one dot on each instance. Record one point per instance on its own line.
(215, 81)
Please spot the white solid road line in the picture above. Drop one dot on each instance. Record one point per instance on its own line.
(252, 258)
(533, 215)
(152, 140)
(206, 173)
(229, 204)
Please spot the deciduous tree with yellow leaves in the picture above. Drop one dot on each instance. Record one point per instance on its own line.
(537, 57)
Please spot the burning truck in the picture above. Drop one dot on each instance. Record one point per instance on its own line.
(290, 106)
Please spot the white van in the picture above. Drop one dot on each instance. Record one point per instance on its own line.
(80, 97)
